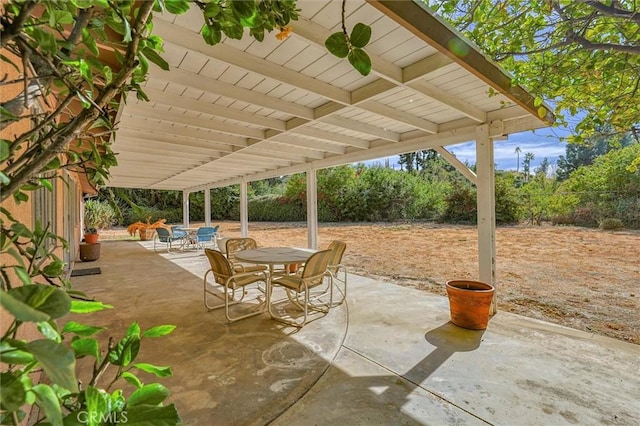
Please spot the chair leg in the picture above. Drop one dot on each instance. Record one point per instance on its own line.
(304, 305)
(343, 281)
(228, 299)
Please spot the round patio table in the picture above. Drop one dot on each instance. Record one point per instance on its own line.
(275, 256)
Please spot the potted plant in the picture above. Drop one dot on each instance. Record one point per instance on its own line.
(145, 230)
(97, 215)
(91, 236)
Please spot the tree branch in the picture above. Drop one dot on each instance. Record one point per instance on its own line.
(82, 21)
(13, 29)
(589, 45)
(612, 10)
(71, 130)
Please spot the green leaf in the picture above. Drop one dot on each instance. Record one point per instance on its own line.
(11, 352)
(49, 330)
(126, 351)
(145, 415)
(47, 299)
(177, 7)
(154, 57)
(5, 114)
(542, 112)
(87, 307)
(211, 35)
(154, 369)
(108, 74)
(97, 401)
(81, 329)
(4, 179)
(54, 269)
(360, 35)
(46, 183)
(152, 394)
(22, 273)
(57, 361)
(337, 45)
(360, 61)
(54, 164)
(160, 330)
(211, 10)
(86, 347)
(133, 330)
(13, 395)
(21, 310)
(4, 149)
(234, 31)
(46, 41)
(47, 399)
(537, 101)
(20, 197)
(90, 42)
(243, 9)
(132, 379)
(60, 17)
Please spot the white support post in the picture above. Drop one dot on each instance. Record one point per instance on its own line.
(207, 207)
(185, 208)
(312, 209)
(244, 210)
(486, 208)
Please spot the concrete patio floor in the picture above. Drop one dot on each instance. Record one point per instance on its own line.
(387, 356)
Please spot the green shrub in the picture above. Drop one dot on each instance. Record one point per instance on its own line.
(272, 208)
(98, 214)
(628, 210)
(461, 205)
(587, 215)
(508, 205)
(611, 223)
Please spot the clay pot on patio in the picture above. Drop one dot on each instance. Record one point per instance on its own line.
(146, 233)
(470, 303)
(89, 252)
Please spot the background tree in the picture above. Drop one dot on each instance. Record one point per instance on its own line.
(583, 56)
(585, 153)
(518, 151)
(526, 165)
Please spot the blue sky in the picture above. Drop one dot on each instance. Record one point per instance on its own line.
(542, 143)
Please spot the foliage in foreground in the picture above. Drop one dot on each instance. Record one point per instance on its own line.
(58, 52)
(42, 371)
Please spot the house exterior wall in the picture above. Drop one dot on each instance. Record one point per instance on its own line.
(62, 204)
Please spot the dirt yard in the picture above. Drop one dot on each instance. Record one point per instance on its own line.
(587, 279)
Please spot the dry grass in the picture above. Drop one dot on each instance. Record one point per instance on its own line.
(588, 279)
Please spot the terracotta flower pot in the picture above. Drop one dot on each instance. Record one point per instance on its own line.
(91, 238)
(146, 233)
(470, 303)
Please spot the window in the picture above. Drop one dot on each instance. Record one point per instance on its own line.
(44, 207)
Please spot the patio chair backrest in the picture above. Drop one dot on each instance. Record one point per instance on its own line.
(337, 250)
(234, 245)
(178, 232)
(206, 233)
(220, 266)
(164, 235)
(315, 267)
